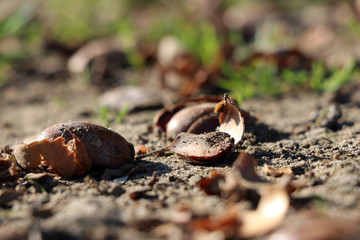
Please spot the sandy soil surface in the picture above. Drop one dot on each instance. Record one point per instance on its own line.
(315, 136)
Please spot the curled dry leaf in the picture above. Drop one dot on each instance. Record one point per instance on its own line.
(211, 185)
(209, 147)
(271, 210)
(226, 222)
(310, 225)
(8, 168)
(244, 166)
(239, 222)
(235, 184)
(274, 198)
(276, 172)
(105, 147)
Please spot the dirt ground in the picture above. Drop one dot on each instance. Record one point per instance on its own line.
(316, 136)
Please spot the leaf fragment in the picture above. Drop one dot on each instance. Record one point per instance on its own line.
(236, 221)
(8, 168)
(276, 172)
(271, 210)
(312, 225)
(211, 185)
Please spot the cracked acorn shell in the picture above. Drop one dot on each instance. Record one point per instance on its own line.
(105, 147)
(191, 118)
(65, 159)
(210, 147)
(196, 120)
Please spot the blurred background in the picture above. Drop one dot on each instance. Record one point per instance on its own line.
(182, 48)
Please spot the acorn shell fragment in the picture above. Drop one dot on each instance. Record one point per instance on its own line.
(211, 146)
(189, 118)
(162, 118)
(105, 147)
(66, 159)
(202, 148)
(8, 169)
(231, 119)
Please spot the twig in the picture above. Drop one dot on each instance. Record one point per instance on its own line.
(158, 151)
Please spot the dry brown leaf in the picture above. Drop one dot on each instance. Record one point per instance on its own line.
(242, 178)
(209, 147)
(211, 185)
(276, 172)
(245, 165)
(236, 221)
(8, 168)
(240, 223)
(140, 192)
(271, 210)
(310, 225)
(226, 222)
(274, 198)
